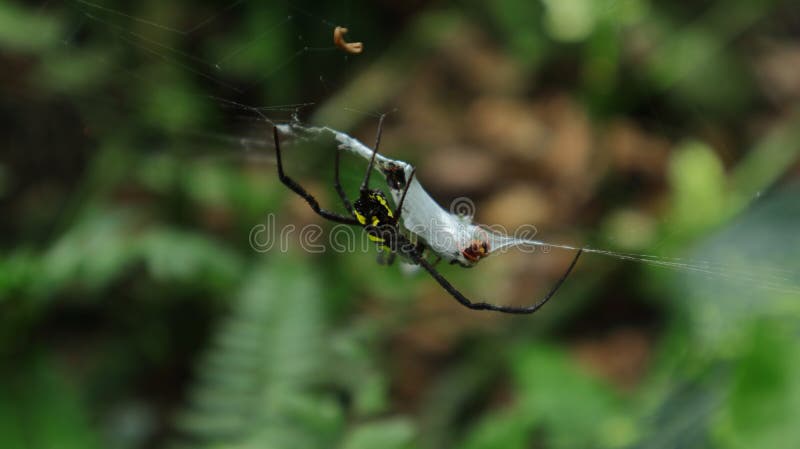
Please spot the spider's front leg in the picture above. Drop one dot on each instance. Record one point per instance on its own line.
(338, 185)
(296, 188)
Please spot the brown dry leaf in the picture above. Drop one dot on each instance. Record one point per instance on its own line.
(568, 142)
(461, 169)
(519, 205)
(632, 150)
(777, 70)
(506, 125)
(424, 112)
(480, 67)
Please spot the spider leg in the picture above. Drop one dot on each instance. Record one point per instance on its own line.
(365, 183)
(296, 188)
(424, 252)
(386, 257)
(493, 307)
(338, 185)
(399, 211)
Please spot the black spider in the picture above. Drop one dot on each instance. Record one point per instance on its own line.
(372, 212)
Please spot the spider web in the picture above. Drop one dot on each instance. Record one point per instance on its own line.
(445, 231)
(225, 55)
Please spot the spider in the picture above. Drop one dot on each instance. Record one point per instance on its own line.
(372, 212)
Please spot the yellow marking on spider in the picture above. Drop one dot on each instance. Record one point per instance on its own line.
(361, 219)
(382, 200)
(375, 238)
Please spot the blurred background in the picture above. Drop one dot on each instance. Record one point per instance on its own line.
(134, 312)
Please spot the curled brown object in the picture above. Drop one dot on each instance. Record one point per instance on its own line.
(353, 48)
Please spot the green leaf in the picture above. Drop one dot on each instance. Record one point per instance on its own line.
(698, 184)
(762, 408)
(508, 429)
(26, 30)
(395, 433)
(256, 385)
(575, 409)
(40, 409)
(569, 20)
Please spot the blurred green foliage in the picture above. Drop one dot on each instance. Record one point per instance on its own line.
(134, 312)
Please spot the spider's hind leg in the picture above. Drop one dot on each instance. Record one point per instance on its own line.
(466, 302)
(386, 256)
